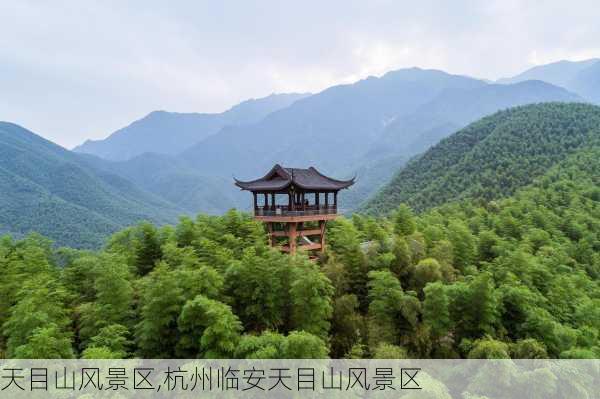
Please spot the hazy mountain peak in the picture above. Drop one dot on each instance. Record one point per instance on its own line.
(581, 77)
(559, 73)
(171, 132)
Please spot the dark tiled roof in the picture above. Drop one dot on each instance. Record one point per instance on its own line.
(280, 178)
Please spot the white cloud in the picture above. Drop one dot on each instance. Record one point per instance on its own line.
(74, 70)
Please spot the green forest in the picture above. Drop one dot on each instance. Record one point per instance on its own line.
(516, 277)
(485, 246)
(493, 157)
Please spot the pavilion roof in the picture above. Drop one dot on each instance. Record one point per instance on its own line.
(280, 178)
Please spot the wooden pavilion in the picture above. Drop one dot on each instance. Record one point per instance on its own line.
(295, 204)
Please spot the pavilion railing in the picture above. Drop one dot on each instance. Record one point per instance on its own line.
(284, 210)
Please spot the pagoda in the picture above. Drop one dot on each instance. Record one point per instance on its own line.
(295, 204)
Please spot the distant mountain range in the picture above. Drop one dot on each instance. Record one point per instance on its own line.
(167, 164)
(369, 129)
(581, 77)
(331, 129)
(171, 132)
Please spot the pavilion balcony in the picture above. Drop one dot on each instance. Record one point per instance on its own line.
(284, 210)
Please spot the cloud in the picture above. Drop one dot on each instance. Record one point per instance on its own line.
(76, 70)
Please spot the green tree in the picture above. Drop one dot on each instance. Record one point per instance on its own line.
(402, 258)
(474, 306)
(404, 221)
(310, 294)
(303, 345)
(346, 325)
(489, 348)
(386, 296)
(463, 243)
(208, 329)
(271, 345)
(426, 271)
(258, 286)
(113, 302)
(40, 312)
(528, 349)
(147, 248)
(115, 337)
(387, 351)
(185, 232)
(436, 313)
(49, 342)
(99, 352)
(161, 300)
(486, 249)
(345, 243)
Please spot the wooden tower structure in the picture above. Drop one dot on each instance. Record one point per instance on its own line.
(295, 204)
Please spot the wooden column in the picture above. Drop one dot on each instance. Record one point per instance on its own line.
(266, 204)
(292, 234)
(290, 202)
(255, 202)
(273, 201)
(326, 200)
(303, 204)
(317, 200)
(335, 200)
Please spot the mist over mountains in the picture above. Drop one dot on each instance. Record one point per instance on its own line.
(369, 129)
(177, 163)
(171, 132)
(581, 77)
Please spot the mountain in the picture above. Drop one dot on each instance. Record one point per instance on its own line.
(170, 132)
(455, 108)
(173, 180)
(581, 77)
(369, 129)
(50, 190)
(451, 110)
(330, 129)
(587, 83)
(492, 157)
(558, 73)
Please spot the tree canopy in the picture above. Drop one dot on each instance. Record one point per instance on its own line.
(514, 277)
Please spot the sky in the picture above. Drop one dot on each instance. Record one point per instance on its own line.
(77, 70)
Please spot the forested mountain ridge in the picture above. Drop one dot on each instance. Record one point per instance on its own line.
(47, 189)
(492, 157)
(177, 182)
(172, 132)
(450, 111)
(514, 278)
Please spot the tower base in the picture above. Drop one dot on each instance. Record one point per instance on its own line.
(297, 237)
